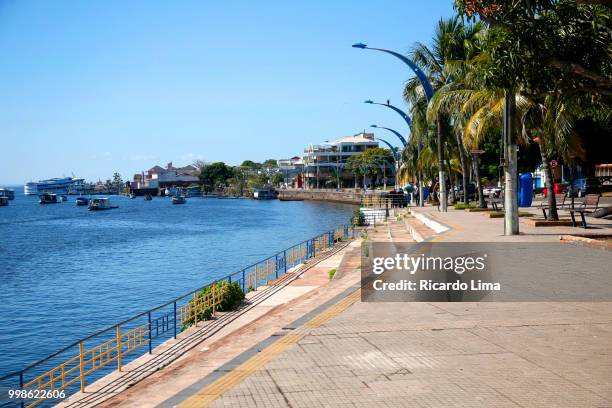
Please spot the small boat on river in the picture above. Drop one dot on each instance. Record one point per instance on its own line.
(48, 198)
(8, 193)
(82, 201)
(179, 200)
(101, 204)
(148, 197)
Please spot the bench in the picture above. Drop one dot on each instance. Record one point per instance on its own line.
(588, 206)
(559, 200)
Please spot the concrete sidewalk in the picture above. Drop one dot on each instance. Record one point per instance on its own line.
(354, 354)
(142, 384)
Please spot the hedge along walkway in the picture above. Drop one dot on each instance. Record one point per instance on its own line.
(199, 350)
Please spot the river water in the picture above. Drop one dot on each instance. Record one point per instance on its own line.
(67, 272)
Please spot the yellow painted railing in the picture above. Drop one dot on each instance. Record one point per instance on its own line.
(78, 367)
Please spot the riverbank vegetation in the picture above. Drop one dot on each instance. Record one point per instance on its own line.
(220, 178)
(223, 295)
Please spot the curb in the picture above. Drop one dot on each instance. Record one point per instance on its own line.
(438, 227)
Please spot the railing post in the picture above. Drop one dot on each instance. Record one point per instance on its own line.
(119, 347)
(21, 401)
(150, 330)
(285, 259)
(314, 247)
(195, 308)
(175, 319)
(243, 277)
(212, 291)
(82, 366)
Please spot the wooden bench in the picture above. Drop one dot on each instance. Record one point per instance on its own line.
(559, 199)
(588, 206)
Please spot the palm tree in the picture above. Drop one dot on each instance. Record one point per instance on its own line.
(551, 124)
(453, 40)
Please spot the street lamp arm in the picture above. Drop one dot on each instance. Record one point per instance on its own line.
(396, 133)
(417, 71)
(395, 155)
(398, 110)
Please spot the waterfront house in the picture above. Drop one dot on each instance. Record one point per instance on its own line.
(157, 178)
(324, 164)
(291, 169)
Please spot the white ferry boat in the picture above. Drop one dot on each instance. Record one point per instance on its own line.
(30, 188)
(66, 185)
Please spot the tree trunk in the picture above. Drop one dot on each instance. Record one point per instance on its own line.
(550, 183)
(452, 180)
(442, 176)
(481, 201)
(511, 219)
(421, 202)
(464, 166)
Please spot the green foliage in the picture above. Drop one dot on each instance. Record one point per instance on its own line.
(371, 162)
(270, 163)
(463, 206)
(257, 180)
(250, 164)
(358, 219)
(232, 295)
(117, 181)
(543, 47)
(277, 178)
(215, 175)
(331, 273)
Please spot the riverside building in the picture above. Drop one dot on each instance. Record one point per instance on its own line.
(324, 164)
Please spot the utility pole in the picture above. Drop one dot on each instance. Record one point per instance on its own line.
(511, 216)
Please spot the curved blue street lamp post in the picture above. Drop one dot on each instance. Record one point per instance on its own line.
(395, 132)
(427, 88)
(403, 114)
(395, 156)
(417, 71)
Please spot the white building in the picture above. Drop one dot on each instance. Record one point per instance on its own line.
(324, 163)
(291, 170)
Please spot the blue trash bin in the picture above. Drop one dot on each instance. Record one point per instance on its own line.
(425, 193)
(525, 190)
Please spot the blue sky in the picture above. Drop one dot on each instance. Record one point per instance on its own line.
(93, 87)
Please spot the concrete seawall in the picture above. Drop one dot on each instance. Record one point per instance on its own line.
(343, 196)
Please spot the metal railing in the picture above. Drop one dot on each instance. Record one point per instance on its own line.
(69, 370)
(386, 200)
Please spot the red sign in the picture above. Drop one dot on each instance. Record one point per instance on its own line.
(553, 163)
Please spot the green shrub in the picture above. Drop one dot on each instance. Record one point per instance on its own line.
(358, 219)
(463, 206)
(231, 296)
(331, 273)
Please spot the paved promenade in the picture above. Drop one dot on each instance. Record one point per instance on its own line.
(322, 347)
(429, 354)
